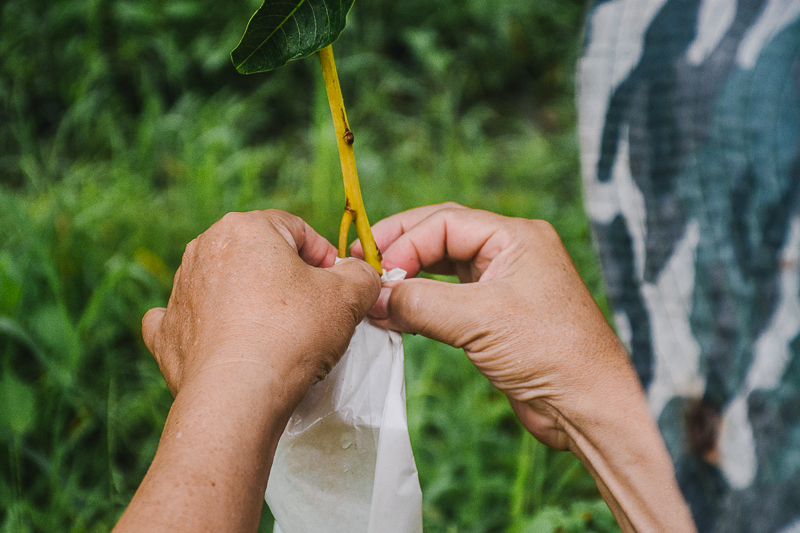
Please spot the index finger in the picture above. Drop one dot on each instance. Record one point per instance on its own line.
(447, 235)
(312, 247)
(391, 228)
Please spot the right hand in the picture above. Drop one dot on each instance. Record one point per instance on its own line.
(527, 321)
(522, 313)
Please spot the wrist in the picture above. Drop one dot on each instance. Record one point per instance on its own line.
(266, 369)
(212, 464)
(239, 388)
(602, 417)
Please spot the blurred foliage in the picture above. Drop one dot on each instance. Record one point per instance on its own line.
(125, 131)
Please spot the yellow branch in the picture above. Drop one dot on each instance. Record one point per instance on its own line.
(344, 228)
(354, 204)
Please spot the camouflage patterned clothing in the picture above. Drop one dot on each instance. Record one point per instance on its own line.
(690, 134)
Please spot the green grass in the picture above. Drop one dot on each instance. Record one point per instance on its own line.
(125, 132)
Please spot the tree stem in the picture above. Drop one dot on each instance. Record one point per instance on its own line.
(354, 205)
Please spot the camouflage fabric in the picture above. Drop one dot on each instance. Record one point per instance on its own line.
(690, 136)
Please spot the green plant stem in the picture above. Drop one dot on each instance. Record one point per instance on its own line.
(354, 205)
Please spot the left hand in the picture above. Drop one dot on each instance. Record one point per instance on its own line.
(249, 292)
(258, 313)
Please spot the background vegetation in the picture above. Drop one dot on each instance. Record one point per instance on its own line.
(125, 132)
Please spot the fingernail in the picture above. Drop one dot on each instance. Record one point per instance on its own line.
(381, 308)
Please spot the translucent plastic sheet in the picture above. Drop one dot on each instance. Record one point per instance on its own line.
(344, 462)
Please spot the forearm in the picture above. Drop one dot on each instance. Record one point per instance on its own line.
(608, 427)
(624, 451)
(213, 460)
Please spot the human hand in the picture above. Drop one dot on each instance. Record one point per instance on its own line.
(522, 313)
(527, 321)
(258, 313)
(260, 290)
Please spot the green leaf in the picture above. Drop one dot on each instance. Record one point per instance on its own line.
(283, 30)
(18, 413)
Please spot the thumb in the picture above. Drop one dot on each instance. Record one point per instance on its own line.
(168, 363)
(151, 325)
(446, 312)
(362, 284)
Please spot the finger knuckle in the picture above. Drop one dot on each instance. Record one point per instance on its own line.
(344, 308)
(278, 216)
(452, 205)
(230, 224)
(233, 218)
(543, 229)
(190, 249)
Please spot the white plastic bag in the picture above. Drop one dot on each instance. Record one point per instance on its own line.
(344, 462)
